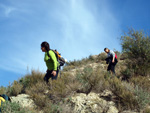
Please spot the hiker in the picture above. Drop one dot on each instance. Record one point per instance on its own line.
(111, 60)
(51, 62)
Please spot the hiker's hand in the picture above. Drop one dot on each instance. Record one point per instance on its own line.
(54, 73)
(113, 61)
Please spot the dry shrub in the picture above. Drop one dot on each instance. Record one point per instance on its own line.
(39, 87)
(76, 62)
(36, 91)
(15, 89)
(67, 108)
(146, 110)
(2, 90)
(101, 57)
(143, 82)
(90, 79)
(85, 61)
(97, 80)
(68, 67)
(124, 98)
(63, 87)
(40, 100)
(120, 67)
(102, 84)
(37, 94)
(31, 79)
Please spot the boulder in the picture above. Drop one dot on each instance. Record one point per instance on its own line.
(24, 100)
(92, 103)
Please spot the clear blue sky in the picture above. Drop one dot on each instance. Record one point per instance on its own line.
(76, 28)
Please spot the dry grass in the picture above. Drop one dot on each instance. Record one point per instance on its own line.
(31, 79)
(143, 82)
(13, 107)
(146, 109)
(124, 97)
(51, 98)
(15, 89)
(2, 90)
(63, 87)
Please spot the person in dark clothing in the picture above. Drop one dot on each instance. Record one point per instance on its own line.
(111, 60)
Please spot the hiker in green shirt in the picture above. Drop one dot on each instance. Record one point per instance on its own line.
(51, 62)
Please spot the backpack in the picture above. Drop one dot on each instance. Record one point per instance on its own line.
(116, 56)
(60, 59)
(7, 98)
(3, 98)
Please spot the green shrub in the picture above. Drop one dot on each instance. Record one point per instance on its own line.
(25, 81)
(137, 47)
(14, 107)
(126, 74)
(142, 97)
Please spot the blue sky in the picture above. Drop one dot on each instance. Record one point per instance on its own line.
(76, 28)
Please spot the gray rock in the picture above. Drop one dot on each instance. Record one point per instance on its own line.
(24, 100)
(129, 112)
(92, 103)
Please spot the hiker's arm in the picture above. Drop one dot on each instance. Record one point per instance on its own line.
(54, 59)
(113, 60)
(113, 55)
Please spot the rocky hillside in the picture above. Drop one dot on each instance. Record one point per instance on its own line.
(84, 86)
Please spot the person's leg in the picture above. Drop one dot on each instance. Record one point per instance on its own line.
(47, 76)
(109, 67)
(113, 69)
(109, 70)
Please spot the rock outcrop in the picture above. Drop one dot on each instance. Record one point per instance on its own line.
(24, 100)
(92, 103)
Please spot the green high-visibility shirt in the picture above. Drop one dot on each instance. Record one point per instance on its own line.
(51, 62)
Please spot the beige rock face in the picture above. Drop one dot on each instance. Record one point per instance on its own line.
(24, 100)
(92, 103)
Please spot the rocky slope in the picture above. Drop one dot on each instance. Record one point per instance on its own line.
(81, 102)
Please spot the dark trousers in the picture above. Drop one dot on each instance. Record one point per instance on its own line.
(50, 75)
(111, 67)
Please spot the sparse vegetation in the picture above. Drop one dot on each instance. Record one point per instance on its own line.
(14, 107)
(15, 89)
(130, 92)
